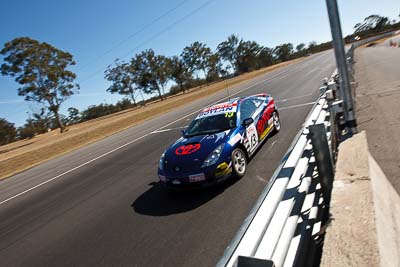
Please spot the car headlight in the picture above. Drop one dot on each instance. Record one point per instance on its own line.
(214, 156)
(161, 162)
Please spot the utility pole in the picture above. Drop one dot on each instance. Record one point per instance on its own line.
(338, 46)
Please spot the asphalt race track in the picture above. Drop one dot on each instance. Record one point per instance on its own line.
(102, 205)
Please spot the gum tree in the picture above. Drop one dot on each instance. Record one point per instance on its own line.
(41, 70)
(123, 80)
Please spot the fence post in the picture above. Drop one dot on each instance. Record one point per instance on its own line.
(323, 159)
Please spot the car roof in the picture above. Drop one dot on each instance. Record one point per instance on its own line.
(236, 100)
(226, 103)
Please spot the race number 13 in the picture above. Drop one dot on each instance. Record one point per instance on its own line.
(252, 136)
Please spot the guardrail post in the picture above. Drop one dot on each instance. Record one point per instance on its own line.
(323, 159)
(334, 129)
(243, 261)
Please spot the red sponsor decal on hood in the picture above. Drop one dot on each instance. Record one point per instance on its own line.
(187, 149)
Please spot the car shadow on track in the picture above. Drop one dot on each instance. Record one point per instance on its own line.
(159, 201)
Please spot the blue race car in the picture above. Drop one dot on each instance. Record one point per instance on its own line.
(219, 142)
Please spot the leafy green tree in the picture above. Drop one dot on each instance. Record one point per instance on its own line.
(213, 67)
(284, 51)
(300, 47)
(179, 72)
(124, 104)
(73, 116)
(311, 46)
(26, 132)
(265, 57)
(7, 132)
(41, 70)
(196, 57)
(162, 71)
(123, 80)
(95, 111)
(227, 50)
(37, 123)
(247, 56)
(152, 74)
(225, 71)
(374, 23)
(243, 56)
(42, 120)
(140, 68)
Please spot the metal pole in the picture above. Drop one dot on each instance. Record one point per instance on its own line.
(338, 46)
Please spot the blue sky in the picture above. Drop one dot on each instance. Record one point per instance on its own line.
(96, 32)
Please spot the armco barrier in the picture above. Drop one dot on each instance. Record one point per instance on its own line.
(286, 214)
(372, 39)
(284, 226)
(350, 52)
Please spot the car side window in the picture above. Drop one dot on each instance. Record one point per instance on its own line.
(259, 106)
(248, 107)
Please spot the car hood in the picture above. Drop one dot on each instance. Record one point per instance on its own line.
(195, 149)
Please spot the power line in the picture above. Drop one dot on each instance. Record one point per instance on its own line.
(134, 34)
(170, 26)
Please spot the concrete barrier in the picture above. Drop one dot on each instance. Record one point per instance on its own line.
(387, 214)
(365, 211)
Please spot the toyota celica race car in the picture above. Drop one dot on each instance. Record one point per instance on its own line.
(219, 142)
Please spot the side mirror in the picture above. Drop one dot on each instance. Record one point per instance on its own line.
(183, 132)
(248, 121)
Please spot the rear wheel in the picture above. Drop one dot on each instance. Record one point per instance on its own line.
(276, 122)
(239, 162)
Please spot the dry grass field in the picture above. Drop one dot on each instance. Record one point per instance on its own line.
(19, 156)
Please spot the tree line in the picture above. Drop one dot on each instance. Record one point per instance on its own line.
(42, 72)
(149, 73)
(373, 25)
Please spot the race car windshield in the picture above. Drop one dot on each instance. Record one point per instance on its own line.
(211, 124)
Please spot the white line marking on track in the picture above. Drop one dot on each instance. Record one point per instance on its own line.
(291, 98)
(300, 105)
(75, 168)
(166, 130)
(124, 145)
(261, 179)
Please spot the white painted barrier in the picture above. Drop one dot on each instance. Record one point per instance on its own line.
(268, 232)
(289, 212)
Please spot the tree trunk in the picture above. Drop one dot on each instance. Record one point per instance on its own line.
(159, 93)
(133, 98)
(60, 124)
(205, 76)
(141, 94)
(163, 90)
(181, 87)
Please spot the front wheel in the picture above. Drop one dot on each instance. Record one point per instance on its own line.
(276, 122)
(239, 162)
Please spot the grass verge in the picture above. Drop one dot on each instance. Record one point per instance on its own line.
(22, 155)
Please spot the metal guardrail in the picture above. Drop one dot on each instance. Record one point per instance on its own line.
(284, 226)
(285, 215)
(372, 39)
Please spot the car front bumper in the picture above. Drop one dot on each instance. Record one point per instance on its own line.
(196, 180)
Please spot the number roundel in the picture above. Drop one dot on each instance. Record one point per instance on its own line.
(187, 149)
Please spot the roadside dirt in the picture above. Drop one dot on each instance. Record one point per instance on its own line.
(377, 103)
(365, 225)
(350, 239)
(19, 156)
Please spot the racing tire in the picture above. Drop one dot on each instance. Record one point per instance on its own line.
(239, 163)
(276, 121)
